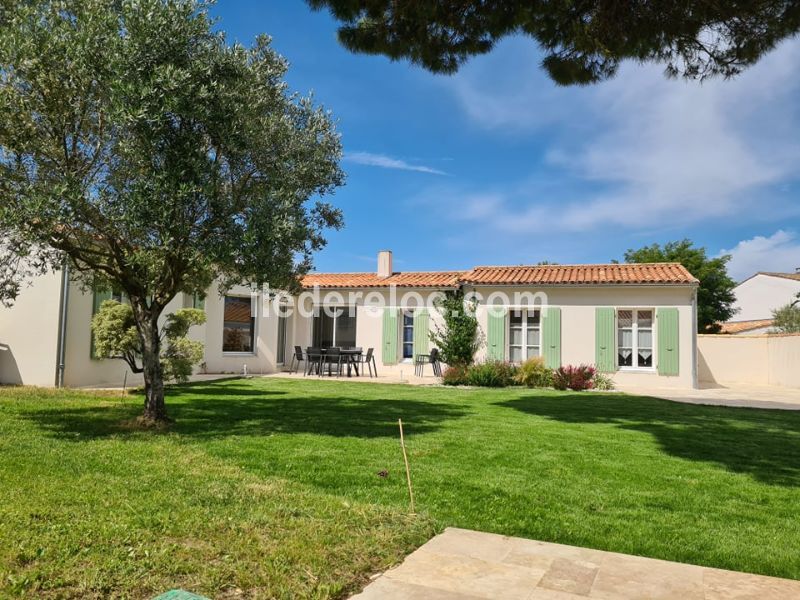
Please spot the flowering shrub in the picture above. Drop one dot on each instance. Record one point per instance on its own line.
(491, 374)
(574, 378)
(455, 375)
(534, 374)
(602, 382)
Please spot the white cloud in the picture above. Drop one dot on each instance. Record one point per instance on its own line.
(650, 152)
(387, 162)
(779, 252)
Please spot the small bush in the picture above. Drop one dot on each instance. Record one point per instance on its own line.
(602, 382)
(455, 375)
(534, 374)
(491, 374)
(574, 378)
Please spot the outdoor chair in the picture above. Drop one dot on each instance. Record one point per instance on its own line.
(419, 364)
(333, 356)
(433, 358)
(313, 359)
(297, 358)
(369, 360)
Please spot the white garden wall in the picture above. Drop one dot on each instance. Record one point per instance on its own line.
(752, 360)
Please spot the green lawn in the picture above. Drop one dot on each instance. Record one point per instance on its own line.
(269, 487)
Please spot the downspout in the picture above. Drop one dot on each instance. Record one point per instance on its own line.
(63, 305)
(695, 356)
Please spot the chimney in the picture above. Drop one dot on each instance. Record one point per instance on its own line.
(385, 263)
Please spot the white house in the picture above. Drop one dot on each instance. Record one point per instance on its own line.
(635, 321)
(756, 298)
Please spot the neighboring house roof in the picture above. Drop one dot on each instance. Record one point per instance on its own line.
(437, 279)
(734, 327)
(650, 273)
(795, 276)
(792, 276)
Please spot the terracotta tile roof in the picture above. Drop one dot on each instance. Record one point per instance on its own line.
(795, 276)
(649, 273)
(434, 279)
(652, 273)
(743, 326)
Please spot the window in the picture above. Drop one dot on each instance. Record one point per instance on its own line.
(408, 334)
(335, 328)
(239, 325)
(280, 355)
(199, 301)
(635, 338)
(524, 331)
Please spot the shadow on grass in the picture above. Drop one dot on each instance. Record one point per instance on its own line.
(760, 443)
(237, 410)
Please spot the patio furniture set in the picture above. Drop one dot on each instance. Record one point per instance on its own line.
(336, 360)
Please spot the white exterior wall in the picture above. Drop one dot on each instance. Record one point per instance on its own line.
(264, 357)
(80, 369)
(578, 306)
(758, 296)
(369, 318)
(29, 334)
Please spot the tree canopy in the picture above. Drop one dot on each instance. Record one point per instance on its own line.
(583, 42)
(140, 147)
(715, 295)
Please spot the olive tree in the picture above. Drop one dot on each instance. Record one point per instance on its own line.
(140, 147)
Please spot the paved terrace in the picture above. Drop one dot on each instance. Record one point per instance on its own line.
(470, 565)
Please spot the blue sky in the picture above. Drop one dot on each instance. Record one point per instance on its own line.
(497, 165)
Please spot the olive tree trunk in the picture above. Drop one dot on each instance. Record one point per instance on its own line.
(152, 369)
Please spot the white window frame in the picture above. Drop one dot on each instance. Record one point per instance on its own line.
(402, 319)
(635, 338)
(524, 346)
(253, 315)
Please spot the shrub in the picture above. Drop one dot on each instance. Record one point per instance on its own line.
(533, 373)
(491, 374)
(602, 382)
(459, 336)
(574, 378)
(456, 375)
(787, 318)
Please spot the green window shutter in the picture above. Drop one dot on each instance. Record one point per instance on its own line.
(389, 336)
(99, 296)
(421, 331)
(551, 337)
(604, 339)
(496, 334)
(199, 301)
(668, 335)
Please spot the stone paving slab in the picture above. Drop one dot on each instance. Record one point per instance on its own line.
(739, 396)
(460, 563)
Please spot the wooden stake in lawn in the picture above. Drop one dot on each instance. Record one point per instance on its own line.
(405, 458)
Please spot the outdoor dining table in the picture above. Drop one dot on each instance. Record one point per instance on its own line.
(349, 356)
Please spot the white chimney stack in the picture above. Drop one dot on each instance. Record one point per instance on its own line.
(385, 263)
